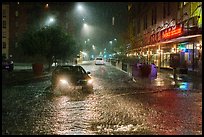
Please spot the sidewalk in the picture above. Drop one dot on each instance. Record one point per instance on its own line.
(192, 79)
(21, 76)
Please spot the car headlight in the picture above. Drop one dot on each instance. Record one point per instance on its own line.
(63, 81)
(90, 81)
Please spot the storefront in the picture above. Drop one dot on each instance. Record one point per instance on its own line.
(176, 39)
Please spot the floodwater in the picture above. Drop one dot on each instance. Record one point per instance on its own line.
(118, 105)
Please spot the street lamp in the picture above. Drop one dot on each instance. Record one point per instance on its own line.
(79, 7)
(93, 47)
(111, 42)
(50, 21)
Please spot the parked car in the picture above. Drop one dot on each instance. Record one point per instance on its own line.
(70, 77)
(99, 61)
(7, 64)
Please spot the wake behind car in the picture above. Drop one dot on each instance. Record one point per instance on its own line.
(71, 77)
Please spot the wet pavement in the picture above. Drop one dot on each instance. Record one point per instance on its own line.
(118, 105)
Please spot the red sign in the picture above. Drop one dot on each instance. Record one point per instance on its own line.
(173, 33)
(165, 34)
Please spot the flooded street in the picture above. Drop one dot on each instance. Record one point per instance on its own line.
(118, 105)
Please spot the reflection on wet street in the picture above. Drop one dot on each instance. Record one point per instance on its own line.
(118, 105)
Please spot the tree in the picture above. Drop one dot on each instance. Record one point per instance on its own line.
(49, 42)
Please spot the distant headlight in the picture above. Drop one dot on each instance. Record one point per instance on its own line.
(90, 81)
(63, 81)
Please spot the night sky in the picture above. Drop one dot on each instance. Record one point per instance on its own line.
(99, 15)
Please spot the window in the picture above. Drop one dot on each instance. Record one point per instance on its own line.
(138, 26)
(168, 8)
(145, 22)
(154, 15)
(16, 34)
(4, 13)
(4, 34)
(4, 45)
(164, 10)
(16, 13)
(16, 24)
(134, 27)
(4, 24)
(16, 44)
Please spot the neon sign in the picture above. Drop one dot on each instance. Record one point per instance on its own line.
(173, 33)
(168, 33)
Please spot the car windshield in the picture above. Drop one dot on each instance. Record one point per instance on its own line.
(99, 58)
(72, 69)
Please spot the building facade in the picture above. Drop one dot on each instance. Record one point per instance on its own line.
(5, 30)
(158, 29)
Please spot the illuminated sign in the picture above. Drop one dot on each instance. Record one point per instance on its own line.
(173, 33)
(168, 33)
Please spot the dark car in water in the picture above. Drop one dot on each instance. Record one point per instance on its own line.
(70, 77)
(7, 64)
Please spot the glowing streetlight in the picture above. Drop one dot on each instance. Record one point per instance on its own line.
(50, 21)
(93, 47)
(79, 7)
(85, 25)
